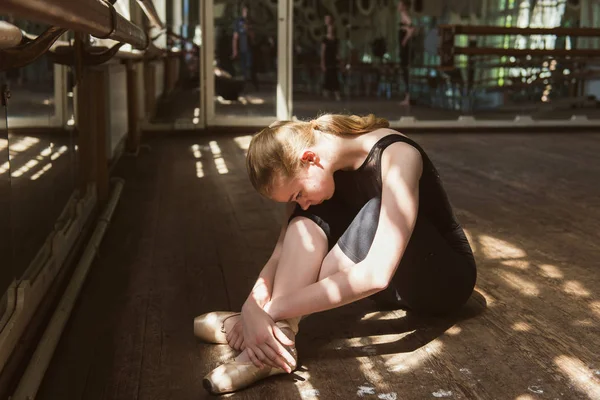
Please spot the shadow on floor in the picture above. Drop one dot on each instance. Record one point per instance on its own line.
(420, 331)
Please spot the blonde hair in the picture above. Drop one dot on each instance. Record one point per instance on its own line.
(275, 151)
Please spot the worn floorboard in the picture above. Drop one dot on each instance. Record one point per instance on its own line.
(190, 235)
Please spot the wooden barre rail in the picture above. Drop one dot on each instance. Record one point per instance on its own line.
(494, 51)
(500, 30)
(95, 17)
(448, 50)
(17, 36)
(10, 35)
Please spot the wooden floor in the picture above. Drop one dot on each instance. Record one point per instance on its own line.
(187, 239)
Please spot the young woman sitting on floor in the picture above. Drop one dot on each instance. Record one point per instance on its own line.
(367, 217)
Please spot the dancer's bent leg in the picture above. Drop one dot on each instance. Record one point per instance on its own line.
(304, 247)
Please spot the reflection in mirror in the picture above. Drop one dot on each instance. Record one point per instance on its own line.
(173, 85)
(364, 57)
(32, 94)
(33, 101)
(245, 71)
(375, 53)
(41, 172)
(543, 87)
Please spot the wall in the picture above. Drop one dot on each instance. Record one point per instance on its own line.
(117, 95)
(160, 78)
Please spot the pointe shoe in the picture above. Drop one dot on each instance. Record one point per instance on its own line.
(236, 375)
(210, 327)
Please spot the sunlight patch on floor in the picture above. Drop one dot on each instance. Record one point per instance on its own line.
(218, 159)
(368, 368)
(196, 151)
(41, 172)
(595, 306)
(199, 169)
(582, 377)
(357, 342)
(521, 284)
(198, 155)
(23, 144)
(47, 151)
(305, 388)
(28, 165)
(221, 166)
(62, 150)
(453, 330)
(4, 167)
(494, 248)
(383, 315)
(518, 264)
(575, 288)
(407, 362)
(551, 271)
(243, 142)
(214, 148)
(521, 326)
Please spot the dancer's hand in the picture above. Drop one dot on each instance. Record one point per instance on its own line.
(264, 340)
(235, 335)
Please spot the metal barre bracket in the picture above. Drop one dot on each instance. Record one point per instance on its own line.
(113, 20)
(89, 55)
(30, 51)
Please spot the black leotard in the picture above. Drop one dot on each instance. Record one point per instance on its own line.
(437, 272)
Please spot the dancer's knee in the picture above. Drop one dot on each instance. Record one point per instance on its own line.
(307, 228)
(306, 233)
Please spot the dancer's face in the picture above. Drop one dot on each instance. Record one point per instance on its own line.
(311, 186)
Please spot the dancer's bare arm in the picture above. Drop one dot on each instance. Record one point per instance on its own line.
(259, 297)
(401, 169)
(261, 292)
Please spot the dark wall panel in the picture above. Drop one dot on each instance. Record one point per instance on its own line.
(41, 184)
(6, 270)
